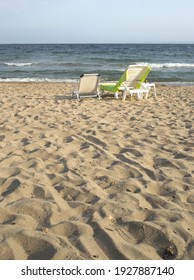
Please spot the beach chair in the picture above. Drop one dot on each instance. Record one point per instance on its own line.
(132, 81)
(88, 86)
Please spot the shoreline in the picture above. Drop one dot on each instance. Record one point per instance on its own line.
(96, 179)
(76, 81)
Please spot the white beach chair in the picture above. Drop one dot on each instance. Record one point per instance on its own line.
(88, 86)
(142, 92)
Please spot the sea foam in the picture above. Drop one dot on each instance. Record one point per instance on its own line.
(169, 65)
(19, 64)
(37, 80)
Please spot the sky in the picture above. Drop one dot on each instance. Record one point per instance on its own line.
(96, 21)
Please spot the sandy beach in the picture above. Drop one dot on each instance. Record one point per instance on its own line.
(96, 179)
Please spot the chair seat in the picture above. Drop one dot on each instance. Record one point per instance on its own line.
(88, 86)
(109, 87)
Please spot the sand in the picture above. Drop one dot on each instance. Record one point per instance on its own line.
(96, 179)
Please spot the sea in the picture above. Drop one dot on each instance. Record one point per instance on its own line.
(170, 63)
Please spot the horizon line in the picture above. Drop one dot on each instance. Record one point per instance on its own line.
(107, 43)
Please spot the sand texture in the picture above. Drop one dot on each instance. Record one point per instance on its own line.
(96, 179)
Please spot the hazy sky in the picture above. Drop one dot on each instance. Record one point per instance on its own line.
(96, 21)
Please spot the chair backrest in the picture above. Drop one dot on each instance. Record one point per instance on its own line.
(134, 75)
(88, 83)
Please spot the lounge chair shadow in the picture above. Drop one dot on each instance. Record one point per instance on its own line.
(63, 97)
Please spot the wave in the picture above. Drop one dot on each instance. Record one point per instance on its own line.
(178, 83)
(19, 64)
(72, 64)
(47, 80)
(169, 65)
(37, 80)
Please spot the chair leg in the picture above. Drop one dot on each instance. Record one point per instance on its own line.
(78, 97)
(76, 93)
(116, 95)
(138, 95)
(99, 96)
(146, 94)
(124, 95)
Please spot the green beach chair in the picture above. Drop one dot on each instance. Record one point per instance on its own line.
(131, 81)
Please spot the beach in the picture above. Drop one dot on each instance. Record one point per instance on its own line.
(96, 179)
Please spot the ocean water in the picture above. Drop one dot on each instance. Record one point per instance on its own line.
(66, 62)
